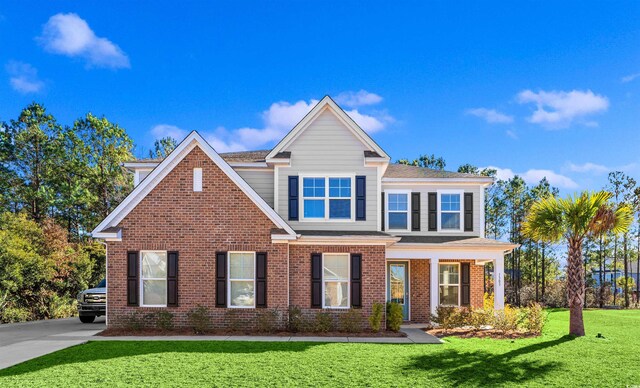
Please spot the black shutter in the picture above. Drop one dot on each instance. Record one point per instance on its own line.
(261, 279)
(316, 280)
(133, 286)
(415, 211)
(293, 198)
(433, 212)
(382, 212)
(356, 280)
(465, 283)
(172, 279)
(221, 279)
(361, 198)
(468, 212)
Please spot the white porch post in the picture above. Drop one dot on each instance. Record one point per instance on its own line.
(498, 283)
(433, 285)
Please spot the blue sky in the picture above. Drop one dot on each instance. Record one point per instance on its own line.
(541, 88)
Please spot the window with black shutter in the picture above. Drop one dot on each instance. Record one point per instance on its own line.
(433, 212)
(261, 279)
(293, 198)
(316, 280)
(415, 212)
(172, 279)
(356, 280)
(382, 212)
(361, 198)
(221, 279)
(468, 212)
(132, 278)
(465, 284)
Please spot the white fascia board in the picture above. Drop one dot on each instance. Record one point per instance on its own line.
(140, 165)
(323, 104)
(108, 236)
(253, 165)
(168, 164)
(444, 254)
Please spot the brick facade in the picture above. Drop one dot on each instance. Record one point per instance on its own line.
(173, 217)
(373, 276)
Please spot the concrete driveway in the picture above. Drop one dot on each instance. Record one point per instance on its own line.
(20, 342)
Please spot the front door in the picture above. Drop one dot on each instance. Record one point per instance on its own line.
(398, 286)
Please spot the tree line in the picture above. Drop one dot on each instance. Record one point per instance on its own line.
(534, 271)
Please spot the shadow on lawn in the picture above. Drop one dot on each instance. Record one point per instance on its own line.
(488, 369)
(106, 350)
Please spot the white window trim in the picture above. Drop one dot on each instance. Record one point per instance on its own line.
(461, 228)
(386, 210)
(142, 279)
(326, 198)
(348, 281)
(459, 284)
(240, 280)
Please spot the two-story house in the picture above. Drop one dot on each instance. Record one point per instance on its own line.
(321, 221)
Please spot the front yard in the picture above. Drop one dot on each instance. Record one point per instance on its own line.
(554, 359)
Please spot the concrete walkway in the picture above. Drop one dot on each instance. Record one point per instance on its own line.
(20, 342)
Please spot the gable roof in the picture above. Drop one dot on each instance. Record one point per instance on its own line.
(166, 166)
(327, 103)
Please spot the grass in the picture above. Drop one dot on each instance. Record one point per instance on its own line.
(553, 359)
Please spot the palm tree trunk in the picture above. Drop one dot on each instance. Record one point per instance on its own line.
(615, 269)
(625, 261)
(544, 279)
(601, 274)
(575, 287)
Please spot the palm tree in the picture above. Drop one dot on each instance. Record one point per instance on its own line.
(573, 219)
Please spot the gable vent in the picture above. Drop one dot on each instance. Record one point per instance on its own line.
(197, 179)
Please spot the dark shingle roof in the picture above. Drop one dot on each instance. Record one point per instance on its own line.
(404, 171)
(245, 156)
(453, 240)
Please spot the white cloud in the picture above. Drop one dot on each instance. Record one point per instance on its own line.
(629, 78)
(589, 168)
(279, 119)
(533, 176)
(360, 98)
(70, 35)
(512, 134)
(491, 116)
(23, 77)
(558, 109)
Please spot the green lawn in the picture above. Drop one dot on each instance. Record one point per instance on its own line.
(554, 359)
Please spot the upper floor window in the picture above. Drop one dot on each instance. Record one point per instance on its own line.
(320, 203)
(450, 211)
(397, 211)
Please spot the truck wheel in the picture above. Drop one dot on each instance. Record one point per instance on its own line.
(87, 318)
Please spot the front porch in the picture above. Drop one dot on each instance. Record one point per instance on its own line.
(421, 277)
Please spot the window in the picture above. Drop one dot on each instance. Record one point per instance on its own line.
(397, 211)
(242, 269)
(449, 284)
(154, 278)
(197, 179)
(340, 198)
(320, 203)
(450, 211)
(336, 280)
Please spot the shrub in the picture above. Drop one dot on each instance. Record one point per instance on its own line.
(267, 321)
(487, 301)
(231, 317)
(133, 322)
(480, 317)
(445, 317)
(535, 318)
(322, 323)
(506, 320)
(394, 316)
(296, 321)
(164, 320)
(556, 294)
(14, 314)
(199, 319)
(351, 321)
(375, 319)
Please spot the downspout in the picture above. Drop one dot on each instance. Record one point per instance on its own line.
(106, 279)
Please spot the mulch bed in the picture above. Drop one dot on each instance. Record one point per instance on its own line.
(123, 332)
(470, 333)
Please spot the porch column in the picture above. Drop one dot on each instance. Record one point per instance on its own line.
(498, 283)
(433, 285)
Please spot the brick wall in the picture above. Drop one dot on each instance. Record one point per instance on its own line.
(373, 276)
(196, 224)
(419, 284)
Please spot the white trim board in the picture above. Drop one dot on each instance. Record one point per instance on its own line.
(167, 165)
